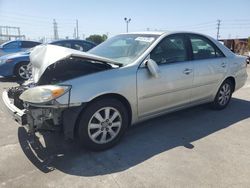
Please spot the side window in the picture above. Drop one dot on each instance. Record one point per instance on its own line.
(63, 44)
(203, 48)
(77, 46)
(87, 46)
(14, 44)
(29, 44)
(169, 50)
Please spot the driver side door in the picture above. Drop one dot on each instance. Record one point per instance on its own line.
(172, 88)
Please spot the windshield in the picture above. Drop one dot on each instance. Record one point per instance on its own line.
(124, 49)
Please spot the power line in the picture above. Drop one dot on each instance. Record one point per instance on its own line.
(18, 15)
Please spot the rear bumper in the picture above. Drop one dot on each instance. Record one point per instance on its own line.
(17, 114)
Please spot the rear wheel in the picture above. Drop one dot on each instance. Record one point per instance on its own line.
(22, 71)
(223, 95)
(102, 124)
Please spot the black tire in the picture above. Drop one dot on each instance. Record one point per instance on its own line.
(87, 116)
(18, 70)
(217, 103)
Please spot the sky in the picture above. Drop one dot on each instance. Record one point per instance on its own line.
(35, 18)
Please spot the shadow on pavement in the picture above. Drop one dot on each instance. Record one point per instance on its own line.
(11, 79)
(141, 142)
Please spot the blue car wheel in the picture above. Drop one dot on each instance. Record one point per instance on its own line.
(22, 71)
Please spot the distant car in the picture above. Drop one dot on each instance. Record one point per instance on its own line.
(81, 45)
(17, 64)
(16, 46)
(248, 59)
(128, 78)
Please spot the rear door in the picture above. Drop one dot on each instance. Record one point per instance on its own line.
(210, 66)
(173, 87)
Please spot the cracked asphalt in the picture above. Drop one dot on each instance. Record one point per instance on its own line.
(196, 147)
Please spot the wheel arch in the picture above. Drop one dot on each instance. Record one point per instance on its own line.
(121, 98)
(232, 80)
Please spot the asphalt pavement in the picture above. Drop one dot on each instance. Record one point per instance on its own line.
(196, 147)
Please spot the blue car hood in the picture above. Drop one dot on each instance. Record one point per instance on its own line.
(16, 55)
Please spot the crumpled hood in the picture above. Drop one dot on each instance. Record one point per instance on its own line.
(45, 55)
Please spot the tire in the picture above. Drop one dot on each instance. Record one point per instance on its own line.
(102, 124)
(22, 71)
(223, 95)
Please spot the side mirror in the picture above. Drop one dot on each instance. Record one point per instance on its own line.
(153, 68)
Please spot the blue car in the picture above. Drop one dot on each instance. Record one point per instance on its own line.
(16, 46)
(17, 64)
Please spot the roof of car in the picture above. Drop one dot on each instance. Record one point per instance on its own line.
(162, 32)
(19, 41)
(70, 40)
(147, 33)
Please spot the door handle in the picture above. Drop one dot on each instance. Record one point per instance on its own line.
(187, 71)
(223, 65)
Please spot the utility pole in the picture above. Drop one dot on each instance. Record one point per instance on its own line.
(74, 35)
(55, 27)
(218, 29)
(77, 33)
(127, 20)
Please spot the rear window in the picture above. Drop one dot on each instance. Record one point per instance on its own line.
(204, 49)
(13, 44)
(63, 44)
(29, 44)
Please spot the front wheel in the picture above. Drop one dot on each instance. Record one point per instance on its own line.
(102, 124)
(223, 95)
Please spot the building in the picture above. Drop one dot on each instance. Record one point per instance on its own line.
(238, 46)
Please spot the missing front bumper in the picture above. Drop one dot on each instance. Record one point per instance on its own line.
(17, 114)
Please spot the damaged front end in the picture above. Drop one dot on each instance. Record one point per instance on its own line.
(43, 102)
(37, 116)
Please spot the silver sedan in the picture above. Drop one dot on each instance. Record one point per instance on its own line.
(129, 78)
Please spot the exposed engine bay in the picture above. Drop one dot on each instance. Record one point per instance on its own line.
(70, 68)
(49, 116)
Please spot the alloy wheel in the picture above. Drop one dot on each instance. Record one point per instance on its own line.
(24, 72)
(224, 94)
(104, 125)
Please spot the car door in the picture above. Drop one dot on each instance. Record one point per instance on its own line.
(172, 89)
(210, 67)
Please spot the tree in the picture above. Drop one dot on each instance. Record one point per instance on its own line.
(97, 38)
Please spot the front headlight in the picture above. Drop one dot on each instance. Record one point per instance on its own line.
(2, 61)
(42, 94)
